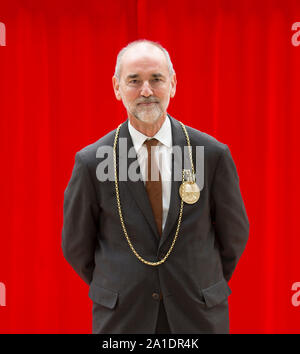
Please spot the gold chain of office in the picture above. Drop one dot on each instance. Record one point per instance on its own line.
(120, 210)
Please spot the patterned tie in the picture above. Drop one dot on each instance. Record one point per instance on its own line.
(154, 185)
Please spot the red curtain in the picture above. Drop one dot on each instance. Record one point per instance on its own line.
(238, 78)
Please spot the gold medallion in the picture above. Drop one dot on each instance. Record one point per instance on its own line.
(189, 190)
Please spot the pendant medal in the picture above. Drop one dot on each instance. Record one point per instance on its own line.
(189, 190)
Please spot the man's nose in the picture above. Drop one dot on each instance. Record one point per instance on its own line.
(146, 90)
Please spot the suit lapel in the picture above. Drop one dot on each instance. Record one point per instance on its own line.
(136, 188)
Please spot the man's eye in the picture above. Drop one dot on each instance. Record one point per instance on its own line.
(133, 81)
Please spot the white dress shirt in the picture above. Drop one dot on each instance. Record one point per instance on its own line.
(163, 158)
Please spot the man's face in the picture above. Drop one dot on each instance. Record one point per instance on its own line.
(145, 85)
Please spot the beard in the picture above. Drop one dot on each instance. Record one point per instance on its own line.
(147, 113)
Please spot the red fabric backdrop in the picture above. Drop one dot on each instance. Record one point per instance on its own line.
(238, 80)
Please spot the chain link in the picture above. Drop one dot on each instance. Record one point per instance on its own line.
(190, 149)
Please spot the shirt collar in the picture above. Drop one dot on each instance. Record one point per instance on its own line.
(164, 135)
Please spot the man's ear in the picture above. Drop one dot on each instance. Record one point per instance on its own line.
(173, 85)
(116, 87)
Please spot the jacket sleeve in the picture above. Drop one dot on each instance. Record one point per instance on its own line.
(81, 220)
(229, 215)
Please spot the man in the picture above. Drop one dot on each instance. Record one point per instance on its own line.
(119, 234)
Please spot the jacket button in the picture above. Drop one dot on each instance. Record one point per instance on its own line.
(155, 296)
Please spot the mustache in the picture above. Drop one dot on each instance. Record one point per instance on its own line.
(148, 100)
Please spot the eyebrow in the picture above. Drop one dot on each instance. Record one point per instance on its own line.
(158, 75)
(134, 76)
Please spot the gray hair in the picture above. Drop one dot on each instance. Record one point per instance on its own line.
(156, 44)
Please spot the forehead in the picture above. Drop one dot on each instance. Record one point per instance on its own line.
(143, 59)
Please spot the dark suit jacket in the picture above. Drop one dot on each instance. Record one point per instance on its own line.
(193, 280)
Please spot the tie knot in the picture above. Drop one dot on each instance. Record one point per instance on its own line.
(151, 142)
